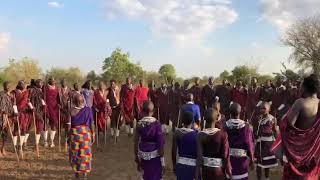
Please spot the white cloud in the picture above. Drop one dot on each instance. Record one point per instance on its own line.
(54, 4)
(256, 45)
(179, 20)
(282, 13)
(4, 40)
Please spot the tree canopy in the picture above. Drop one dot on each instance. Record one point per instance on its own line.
(71, 75)
(167, 72)
(24, 69)
(244, 73)
(93, 77)
(119, 67)
(304, 39)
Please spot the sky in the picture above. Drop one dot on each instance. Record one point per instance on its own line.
(199, 37)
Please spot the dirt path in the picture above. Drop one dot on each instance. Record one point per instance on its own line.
(114, 162)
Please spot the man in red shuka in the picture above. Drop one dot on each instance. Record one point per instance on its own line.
(101, 106)
(163, 112)
(300, 138)
(253, 99)
(51, 93)
(21, 97)
(239, 95)
(127, 104)
(141, 95)
(65, 102)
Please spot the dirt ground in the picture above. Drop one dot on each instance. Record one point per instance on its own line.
(111, 162)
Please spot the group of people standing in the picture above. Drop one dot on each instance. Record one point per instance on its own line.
(212, 142)
(35, 106)
(219, 130)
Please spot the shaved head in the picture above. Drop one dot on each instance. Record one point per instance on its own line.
(266, 104)
(190, 97)
(148, 107)
(265, 108)
(235, 110)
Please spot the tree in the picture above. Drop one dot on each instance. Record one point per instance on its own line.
(304, 38)
(152, 75)
(263, 78)
(2, 77)
(93, 77)
(167, 72)
(244, 73)
(224, 75)
(24, 69)
(71, 75)
(119, 67)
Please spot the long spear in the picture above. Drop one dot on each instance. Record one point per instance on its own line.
(117, 126)
(45, 108)
(59, 131)
(61, 104)
(5, 117)
(97, 129)
(105, 131)
(35, 133)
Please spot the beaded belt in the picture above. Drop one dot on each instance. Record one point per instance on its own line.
(187, 161)
(212, 162)
(238, 152)
(148, 155)
(266, 138)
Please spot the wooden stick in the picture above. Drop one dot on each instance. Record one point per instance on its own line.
(117, 127)
(19, 135)
(250, 120)
(105, 131)
(158, 112)
(5, 117)
(59, 131)
(97, 129)
(35, 134)
(45, 108)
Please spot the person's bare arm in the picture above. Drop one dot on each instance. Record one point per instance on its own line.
(275, 127)
(294, 112)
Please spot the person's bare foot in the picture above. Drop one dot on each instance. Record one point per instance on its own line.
(3, 152)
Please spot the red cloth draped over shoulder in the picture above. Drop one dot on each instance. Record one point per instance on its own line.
(127, 100)
(99, 101)
(141, 94)
(302, 148)
(22, 98)
(239, 96)
(52, 99)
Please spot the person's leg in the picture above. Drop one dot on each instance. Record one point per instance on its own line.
(113, 122)
(3, 151)
(77, 176)
(53, 131)
(15, 135)
(85, 176)
(266, 173)
(45, 138)
(174, 120)
(131, 127)
(26, 140)
(23, 128)
(259, 173)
